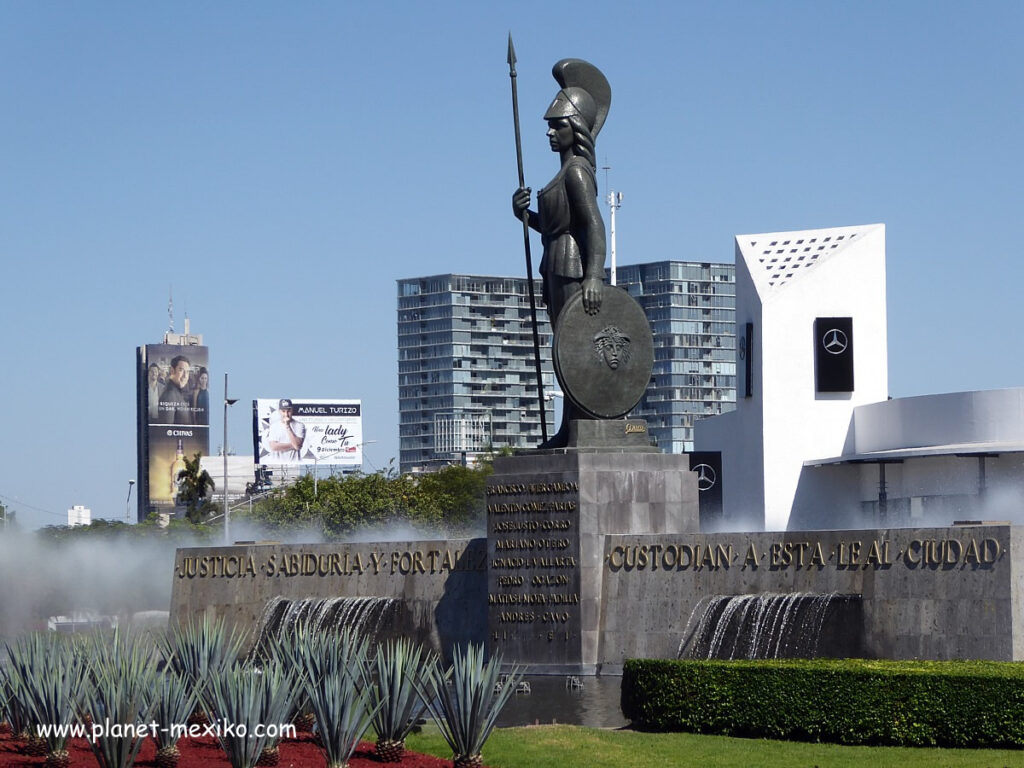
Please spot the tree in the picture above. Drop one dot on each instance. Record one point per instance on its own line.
(194, 489)
(448, 502)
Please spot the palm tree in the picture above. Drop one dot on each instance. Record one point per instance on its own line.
(194, 488)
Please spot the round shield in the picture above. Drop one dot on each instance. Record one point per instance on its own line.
(603, 361)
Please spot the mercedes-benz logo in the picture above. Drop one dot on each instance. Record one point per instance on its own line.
(834, 341)
(706, 477)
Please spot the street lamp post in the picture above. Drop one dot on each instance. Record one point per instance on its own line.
(128, 503)
(224, 450)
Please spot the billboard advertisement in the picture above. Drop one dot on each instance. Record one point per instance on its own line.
(288, 431)
(168, 447)
(174, 400)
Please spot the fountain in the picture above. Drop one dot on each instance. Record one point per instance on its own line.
(771, 626)
(370, 616)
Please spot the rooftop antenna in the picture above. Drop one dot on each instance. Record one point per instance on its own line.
(614, 200)
(170, 309)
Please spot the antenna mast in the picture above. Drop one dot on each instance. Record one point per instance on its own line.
(614, 200)
(170, 309)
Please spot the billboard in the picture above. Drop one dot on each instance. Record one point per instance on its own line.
(174, 405)
(287, 431)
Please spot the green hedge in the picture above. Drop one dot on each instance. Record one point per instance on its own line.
(850, 701)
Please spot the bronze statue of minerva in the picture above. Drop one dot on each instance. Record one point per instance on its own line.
(567, 215)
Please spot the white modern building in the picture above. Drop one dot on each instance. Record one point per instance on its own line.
(923, 461)
(815, 442)
(793, 288)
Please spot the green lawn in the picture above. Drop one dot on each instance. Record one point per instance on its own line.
(567, 746)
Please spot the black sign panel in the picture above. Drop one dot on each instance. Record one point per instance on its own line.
(747, 353)
(833, 354)
(708, 467)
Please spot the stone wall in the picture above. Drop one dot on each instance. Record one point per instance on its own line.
(442, 584)
(933, 593)
(936, 593)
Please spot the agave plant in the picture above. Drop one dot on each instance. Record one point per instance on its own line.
(46, 676)
(122, 673)
(5, 697)
(17, 713)
(200, 651)
(174, 699)
(397, 670)
(334, 676)
(247, 697)
(467, 709)
(277, 650)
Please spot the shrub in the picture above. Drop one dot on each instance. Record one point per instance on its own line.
(949, 704)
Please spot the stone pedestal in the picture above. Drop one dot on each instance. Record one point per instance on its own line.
(547, 514)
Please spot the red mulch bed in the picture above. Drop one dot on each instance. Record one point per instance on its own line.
(206, 753)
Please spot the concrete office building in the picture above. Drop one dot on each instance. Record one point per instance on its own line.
(691, 307)
(466, 371)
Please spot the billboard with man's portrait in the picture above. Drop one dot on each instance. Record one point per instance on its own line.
(290, 431)
(174, 402)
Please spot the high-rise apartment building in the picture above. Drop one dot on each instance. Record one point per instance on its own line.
(466, 371)
(691, 307)
(465, 359)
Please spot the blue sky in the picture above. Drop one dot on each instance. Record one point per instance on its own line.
(281, 165)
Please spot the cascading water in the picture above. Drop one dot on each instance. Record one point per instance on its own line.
(363, 615)
(765, 626)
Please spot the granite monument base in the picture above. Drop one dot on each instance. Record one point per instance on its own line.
(548, 514)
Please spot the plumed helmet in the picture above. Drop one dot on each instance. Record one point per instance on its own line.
(584, 92)
(573, 101)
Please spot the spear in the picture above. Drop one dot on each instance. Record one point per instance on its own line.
(526, 240)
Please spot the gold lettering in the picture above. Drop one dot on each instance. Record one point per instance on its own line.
(817, 556)
(688, 551)
(616, 550)
(913, 551)
(631, 561)
(449, 561)
(375, 558)
(709, 558)
(971, 555)
(271, 564)
(874, 554)
(751, 558)
(855, 552)
(990, 550)
(723, 555)
(674, 550)
(953, 554)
